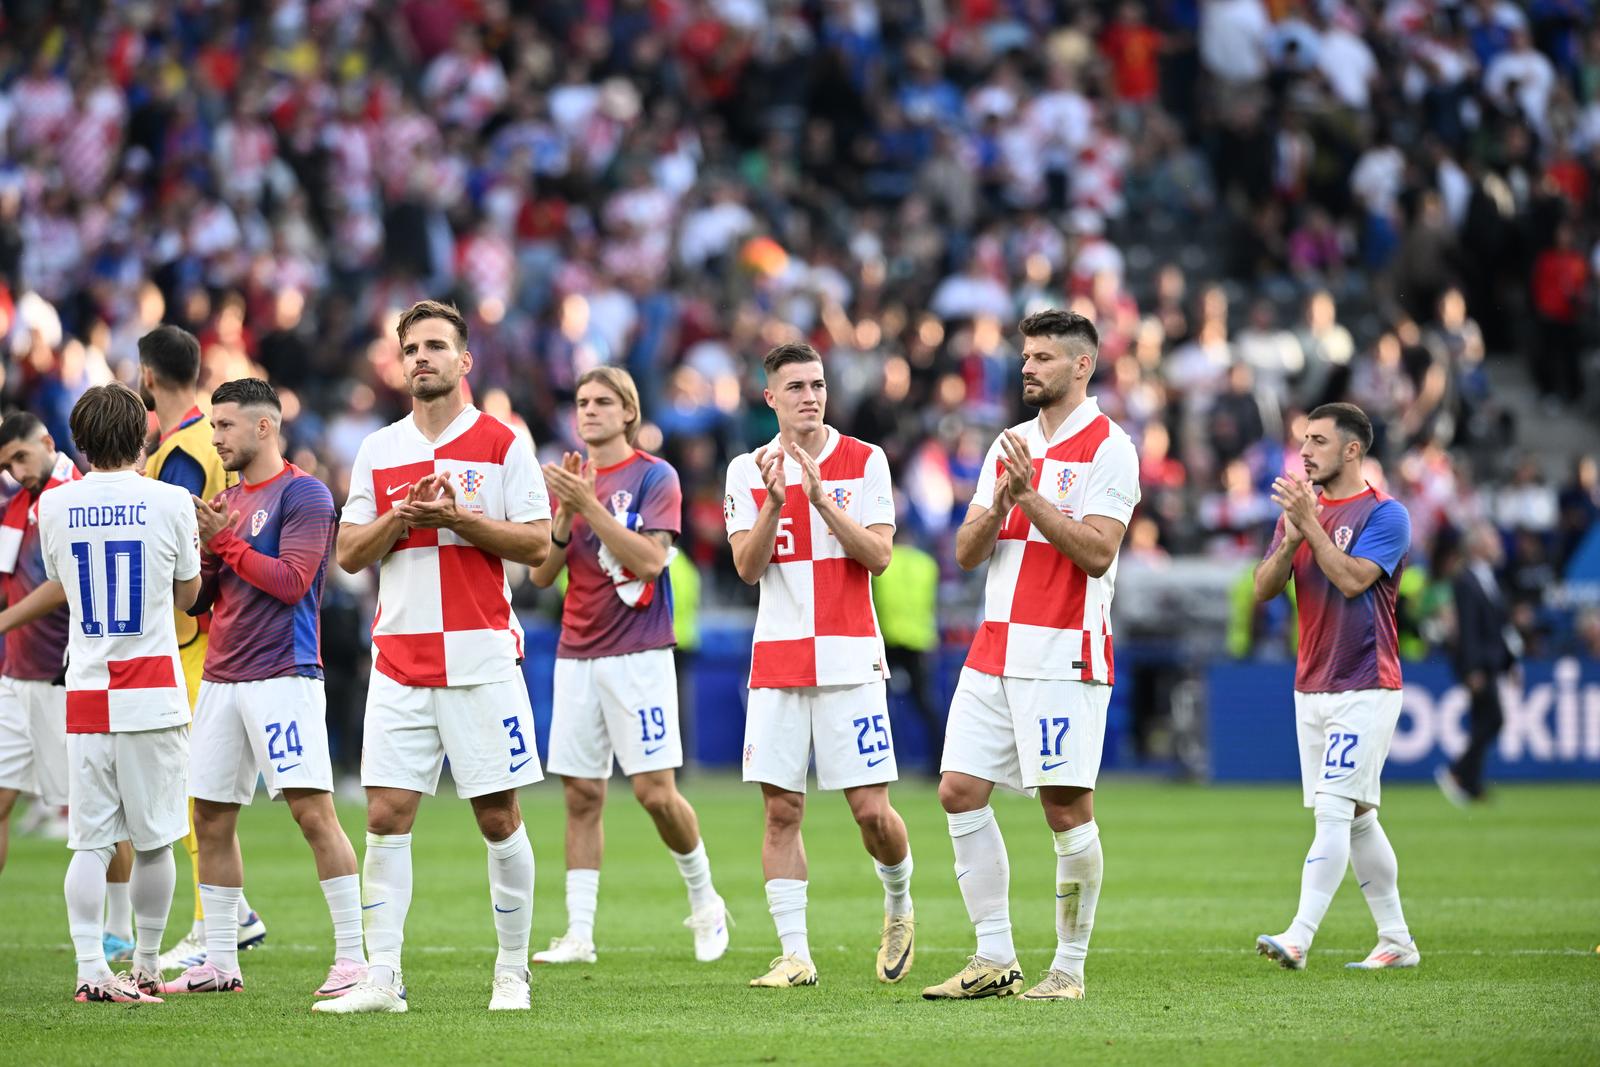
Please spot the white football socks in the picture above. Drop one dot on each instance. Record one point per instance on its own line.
(343, 894)
(696, 870)
(983, 873)
(1324, 867)
(221, 905)
(119, 912)
(243, 910)
(1079, 867)
(85, 889)
(786, 899)
(896, 881)
(386, 887)
(511, 892)
(1373, 860)
(150, 888)
(583, 899)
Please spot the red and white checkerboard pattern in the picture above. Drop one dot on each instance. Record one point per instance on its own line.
(444, 608)
(1044, 617)
(816, 624)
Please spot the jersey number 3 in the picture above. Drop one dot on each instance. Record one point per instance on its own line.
(123, 585)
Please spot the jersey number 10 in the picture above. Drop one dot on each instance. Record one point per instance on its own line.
(124, 588)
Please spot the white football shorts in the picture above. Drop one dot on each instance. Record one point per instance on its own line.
(1344, 740)
(277, 727)
(486, 730)
(1023, 733)
(33, 739)
(847, 725)
(128, 787)
(625, 706)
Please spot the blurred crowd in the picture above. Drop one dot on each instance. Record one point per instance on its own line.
(1264, 204)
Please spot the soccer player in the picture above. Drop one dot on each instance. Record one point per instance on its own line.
(33, 697)
(1029, 712)
(616, 687)
(169, 374)
(810, 516)
(123, 552)
(441, 498)
(262, 709)
(1345, 547)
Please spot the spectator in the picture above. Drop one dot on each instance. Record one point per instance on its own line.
(1485, 650)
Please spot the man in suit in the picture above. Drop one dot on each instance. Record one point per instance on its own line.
(1486, 648)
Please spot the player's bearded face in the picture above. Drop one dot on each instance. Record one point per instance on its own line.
(29, 463)
(1046, 372)
(1322, 453)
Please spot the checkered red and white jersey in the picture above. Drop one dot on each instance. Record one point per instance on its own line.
(1044, 617)
(816, 624)
(444, 608)
(116, 543)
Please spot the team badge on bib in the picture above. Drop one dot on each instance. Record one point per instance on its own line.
(1341, 537)
(841, 497)
(471, 485)
(257, 522)
(620, 501)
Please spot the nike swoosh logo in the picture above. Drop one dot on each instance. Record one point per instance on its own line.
(653, 751)
(515, 767)
(369, 907)
(963, 874)
(291, 767)
(1315, 859)
(1065, 896)
(1053, 766)
(393, 489)
(795, 977)
(195, 986)
(892, 973)
(507, 911)
(994, 983)
(875, 762)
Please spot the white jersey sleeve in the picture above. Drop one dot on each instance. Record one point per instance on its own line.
(1113, 486)
(983, 494)
(739, 505)
(526, 497)
(878, 505)
(186, 543)
(361, 506)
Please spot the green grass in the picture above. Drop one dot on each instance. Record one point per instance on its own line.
(1504, 902)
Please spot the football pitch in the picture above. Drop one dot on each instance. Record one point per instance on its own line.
(1504, 902)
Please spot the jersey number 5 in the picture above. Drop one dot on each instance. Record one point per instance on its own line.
(784, 544)
(124, 586)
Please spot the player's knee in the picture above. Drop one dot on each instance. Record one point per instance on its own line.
(212, 819)
(956, 796)
(497, 824)
(784, 812)
(384, 818)
(585, 797)
(657, 799)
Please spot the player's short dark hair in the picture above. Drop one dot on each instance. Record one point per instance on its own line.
(785, 354)
(1077, 330)
(172, 354)
(1351, 422)
(432, 309)
(108, 425)
(19, 426)
(247, 392)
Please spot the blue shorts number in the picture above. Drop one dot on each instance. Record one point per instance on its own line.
(875, 725)
(652, 719)
(1343, 760)
(514, 728)
(290, 736)
(1060, 724)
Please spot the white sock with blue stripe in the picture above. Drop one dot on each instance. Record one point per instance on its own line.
(1324, 867)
